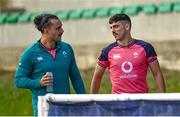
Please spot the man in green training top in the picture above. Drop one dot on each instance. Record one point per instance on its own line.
(48, 54)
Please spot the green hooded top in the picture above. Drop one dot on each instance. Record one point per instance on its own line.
(36, 61)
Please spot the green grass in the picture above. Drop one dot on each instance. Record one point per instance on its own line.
(17, 102)
(171, 79)
(14, 101)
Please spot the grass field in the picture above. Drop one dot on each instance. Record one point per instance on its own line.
(17, 102)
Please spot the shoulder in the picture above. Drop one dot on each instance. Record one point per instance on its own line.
(142, 43)
(65, 47)
(109, 47)
(64, 44)
(147, 47)
(28, 52)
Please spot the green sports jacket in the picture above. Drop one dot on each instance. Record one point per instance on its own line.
(36, 61)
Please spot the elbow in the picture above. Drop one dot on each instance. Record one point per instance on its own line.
(16, 83)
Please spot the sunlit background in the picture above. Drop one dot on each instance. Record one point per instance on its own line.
(86, 28)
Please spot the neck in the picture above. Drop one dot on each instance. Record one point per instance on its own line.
(125, 42)
(48, 43)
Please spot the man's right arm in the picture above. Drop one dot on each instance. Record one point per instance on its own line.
(96, 80)
(24, 73)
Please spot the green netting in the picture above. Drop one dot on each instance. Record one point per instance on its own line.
(3, 17)
(165, 8)
(89, 13)
(132, 10)
(103, 12)
(25, 17)
(63, 15)
(176, 7)
(12, 18)
(76, 14)
(149, 9)
(116, 10)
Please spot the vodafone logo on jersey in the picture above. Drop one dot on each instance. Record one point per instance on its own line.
(127, 67)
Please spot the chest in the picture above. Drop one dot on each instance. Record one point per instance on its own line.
(135, 56)
(44, 61)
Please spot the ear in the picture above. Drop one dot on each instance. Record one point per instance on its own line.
(127, 26)
(46, 30)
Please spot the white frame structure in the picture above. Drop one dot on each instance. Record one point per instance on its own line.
(74, 98)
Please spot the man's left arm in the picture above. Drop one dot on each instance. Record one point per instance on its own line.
(158, 76)
(75, 76)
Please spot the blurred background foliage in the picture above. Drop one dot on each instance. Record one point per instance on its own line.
(4, 4)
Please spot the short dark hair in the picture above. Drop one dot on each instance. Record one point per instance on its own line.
(42, 21)
(119, 17)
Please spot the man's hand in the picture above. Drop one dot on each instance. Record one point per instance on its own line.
(46, 80)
